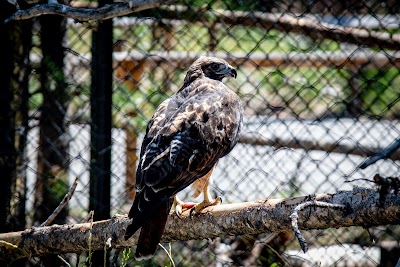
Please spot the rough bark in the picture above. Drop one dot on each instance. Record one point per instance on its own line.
(271, 215)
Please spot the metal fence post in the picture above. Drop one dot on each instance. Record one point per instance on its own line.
(101, 99)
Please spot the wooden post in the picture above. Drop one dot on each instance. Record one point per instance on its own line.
(131, 161)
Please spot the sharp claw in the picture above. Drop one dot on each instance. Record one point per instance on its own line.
(178, 211)
(191, 212)
(181, 206)
(198, 207)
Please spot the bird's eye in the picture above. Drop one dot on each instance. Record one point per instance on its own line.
(214, 66)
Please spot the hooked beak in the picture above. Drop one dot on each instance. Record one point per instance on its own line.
(230, 72)
(233, 73)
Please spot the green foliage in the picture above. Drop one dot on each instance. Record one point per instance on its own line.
(126, 256)
(380, 91)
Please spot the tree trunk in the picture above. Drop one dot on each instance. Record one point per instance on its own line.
(14, 73)
(18, 220)
(8, 70)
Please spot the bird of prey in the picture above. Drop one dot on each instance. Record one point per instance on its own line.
(187, 135)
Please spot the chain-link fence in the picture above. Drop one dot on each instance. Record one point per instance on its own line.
(320, 82)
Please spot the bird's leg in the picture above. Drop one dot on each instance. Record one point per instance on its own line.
(207, 202)
(181, 206)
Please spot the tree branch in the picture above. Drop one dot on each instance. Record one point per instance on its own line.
(317, 59)
(320, 31)
(282, 22)
(259, 140)
(286, 23)
(87, 14)
(272, 215)
(62, 204)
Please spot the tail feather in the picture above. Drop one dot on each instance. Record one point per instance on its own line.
(138, 219)
(152, 230)
(132, 228)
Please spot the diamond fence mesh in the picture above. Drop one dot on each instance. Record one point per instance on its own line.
(320, 82)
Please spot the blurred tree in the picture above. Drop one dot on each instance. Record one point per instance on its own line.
(52, 181)
(14, 73)
(8, 67)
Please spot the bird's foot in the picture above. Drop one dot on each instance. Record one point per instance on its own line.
(204, 204)
(181, 206)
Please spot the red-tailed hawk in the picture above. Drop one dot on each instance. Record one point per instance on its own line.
(184, 139)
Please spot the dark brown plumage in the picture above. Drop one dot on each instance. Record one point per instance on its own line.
(184, 139)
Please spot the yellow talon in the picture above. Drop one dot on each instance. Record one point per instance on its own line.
(207, 202)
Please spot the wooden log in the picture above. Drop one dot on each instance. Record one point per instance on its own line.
(270, 215)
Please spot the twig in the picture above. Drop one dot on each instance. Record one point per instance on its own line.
(294, 216)
(381, 155)
(89, 258)
(87, 14)
(62, 204)
(114, 260)
(106, 244)
(9, 245)
(168, 254)
(77, 259)
(15, 3)
(61, 258)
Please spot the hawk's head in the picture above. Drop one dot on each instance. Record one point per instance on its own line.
(210, 67)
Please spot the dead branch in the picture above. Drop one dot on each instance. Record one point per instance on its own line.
(256, 139)
(272, 215)
(62, 204)
(87, 14)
